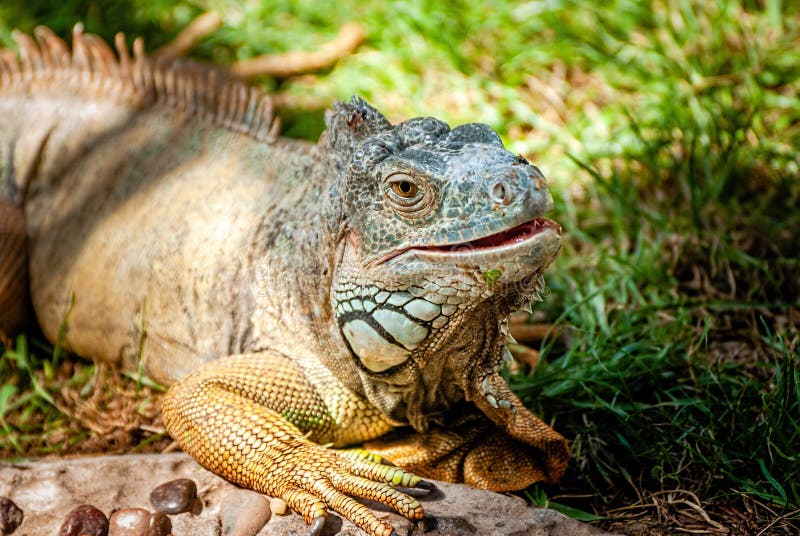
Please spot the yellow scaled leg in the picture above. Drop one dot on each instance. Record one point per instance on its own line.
(475, 452)
(246, 418)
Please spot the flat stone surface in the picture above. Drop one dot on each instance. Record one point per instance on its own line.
(48, 490)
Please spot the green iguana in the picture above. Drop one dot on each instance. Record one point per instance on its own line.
(299, 294)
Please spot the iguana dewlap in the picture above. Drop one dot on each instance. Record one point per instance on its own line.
(299, 294)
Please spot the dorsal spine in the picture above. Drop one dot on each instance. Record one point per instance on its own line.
(92, 68)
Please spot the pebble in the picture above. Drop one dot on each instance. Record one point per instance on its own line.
(85, 520)
(129, 522)
(160, 525)
(196, 507)
(10, 516)
(176, 497)
(278, 506)
(243, 513)
(138, 522)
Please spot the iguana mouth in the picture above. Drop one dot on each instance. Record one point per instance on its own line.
(515, 235)
(508, 240)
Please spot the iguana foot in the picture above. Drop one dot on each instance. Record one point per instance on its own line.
(476, 452)
(234, 417)
(333, 478)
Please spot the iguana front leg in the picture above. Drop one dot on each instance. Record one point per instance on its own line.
(475, 452)
(495, 444)
(252, 419)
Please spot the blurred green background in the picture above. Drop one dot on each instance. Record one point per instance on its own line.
(670, 132)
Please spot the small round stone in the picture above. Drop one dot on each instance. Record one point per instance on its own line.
(243, 513)
(175, 496)
(160, 525)
(129, 522)
(278, 506)
(10, 516)
(85, 520)
(197, 507)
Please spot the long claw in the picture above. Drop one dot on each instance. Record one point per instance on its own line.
(428, 523)
(416, 493)
(422, 489)
(316, 526)
(425, 485)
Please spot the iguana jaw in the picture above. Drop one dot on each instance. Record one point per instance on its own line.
(539, 233)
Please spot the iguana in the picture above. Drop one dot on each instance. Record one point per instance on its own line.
(298, 296)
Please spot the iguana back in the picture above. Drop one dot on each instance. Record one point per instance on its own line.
(151, 192)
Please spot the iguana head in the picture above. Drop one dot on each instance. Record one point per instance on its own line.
(442, 236)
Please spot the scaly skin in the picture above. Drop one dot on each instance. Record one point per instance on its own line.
(297, 295)
(250, 402)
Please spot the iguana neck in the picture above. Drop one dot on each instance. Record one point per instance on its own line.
(290, 276)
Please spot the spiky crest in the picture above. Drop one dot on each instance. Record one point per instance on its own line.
(92, 68)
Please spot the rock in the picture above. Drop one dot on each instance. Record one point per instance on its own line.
(197, 507)
(47, 489)
(138, 522)
(175, 497)
(159, 525)
(552, 523)
(454, 525)
(129, 522)
(10, 516)
(243, 513)
(84, 520)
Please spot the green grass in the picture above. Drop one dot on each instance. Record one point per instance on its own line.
(52, 403)
(670, 132)
(30, 417)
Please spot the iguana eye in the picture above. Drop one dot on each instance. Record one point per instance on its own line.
(406, 189)
(408, 195)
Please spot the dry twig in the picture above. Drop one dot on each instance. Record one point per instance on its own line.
(523, 354)
(296, 62)
(5, 340)
(189, 36)
(531, 333)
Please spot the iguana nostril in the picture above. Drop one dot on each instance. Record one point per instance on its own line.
(501, 194)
